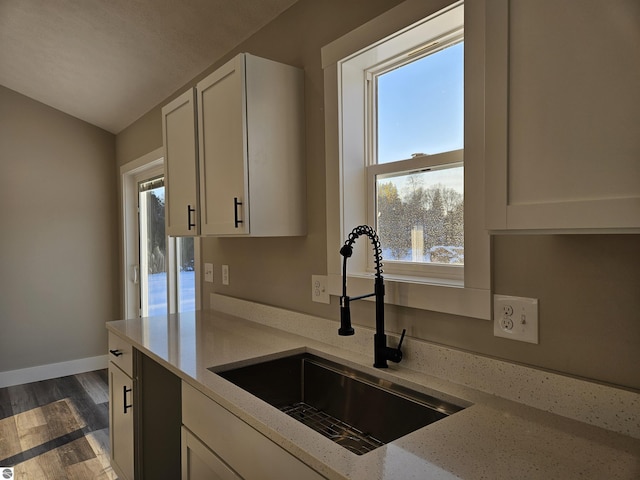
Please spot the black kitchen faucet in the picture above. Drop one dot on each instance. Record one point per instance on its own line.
(382, 353)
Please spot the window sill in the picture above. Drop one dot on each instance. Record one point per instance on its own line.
(414, 292)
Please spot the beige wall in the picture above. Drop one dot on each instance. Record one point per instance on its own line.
(58, 270)
(588, 285)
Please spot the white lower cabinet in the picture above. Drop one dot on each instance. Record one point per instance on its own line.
(225, 445)
(121, 422)
(200, 463)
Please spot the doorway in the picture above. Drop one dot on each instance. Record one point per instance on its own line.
(160, 271)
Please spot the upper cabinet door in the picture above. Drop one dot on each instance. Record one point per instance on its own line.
(251, 140)
(562, 117)
(181, 166)
(223, 150)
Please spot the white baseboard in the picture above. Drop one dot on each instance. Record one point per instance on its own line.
(52, 370)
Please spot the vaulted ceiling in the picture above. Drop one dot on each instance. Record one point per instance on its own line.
(108, 62)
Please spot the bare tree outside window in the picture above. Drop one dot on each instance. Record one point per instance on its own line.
(421, 221)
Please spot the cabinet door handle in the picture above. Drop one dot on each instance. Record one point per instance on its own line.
(115, 353)
(189, 222)
(236, 204)
(125, 390)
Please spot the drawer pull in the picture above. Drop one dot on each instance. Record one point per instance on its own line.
(115, 353)
(125, 390)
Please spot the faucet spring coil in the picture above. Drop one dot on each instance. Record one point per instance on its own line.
(375, 241)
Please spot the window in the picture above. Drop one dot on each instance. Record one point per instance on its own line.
(404, 139)
(415, 171)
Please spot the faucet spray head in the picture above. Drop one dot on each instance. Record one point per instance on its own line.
(346, 251)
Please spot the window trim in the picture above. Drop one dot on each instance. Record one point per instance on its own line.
(345, 140)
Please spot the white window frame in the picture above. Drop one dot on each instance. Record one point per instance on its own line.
(448, 32)
(345, 62)
(148, 165)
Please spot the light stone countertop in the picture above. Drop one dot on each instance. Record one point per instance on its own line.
(494, 438)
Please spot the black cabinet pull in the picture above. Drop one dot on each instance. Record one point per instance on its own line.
(189, 222)
(125, 390)
(236, 203)
(115, 353)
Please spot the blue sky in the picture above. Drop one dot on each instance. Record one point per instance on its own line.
(421, 110)
(420, 106)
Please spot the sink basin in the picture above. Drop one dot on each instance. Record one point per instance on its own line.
(359, 411)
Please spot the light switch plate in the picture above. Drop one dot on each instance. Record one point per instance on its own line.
(515, 318)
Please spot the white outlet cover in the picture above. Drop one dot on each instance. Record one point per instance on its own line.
(515, 318)
(208, 272)
(319, 289)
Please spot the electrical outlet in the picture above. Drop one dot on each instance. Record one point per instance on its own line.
(208, 272)
(225, 274)
(319, 290)
(515, 318)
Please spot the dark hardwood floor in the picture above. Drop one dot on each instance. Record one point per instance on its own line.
(57, 429)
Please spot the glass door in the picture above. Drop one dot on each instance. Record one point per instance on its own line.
(167, 264)
(153, 248)
(186, 274)
(160, 272)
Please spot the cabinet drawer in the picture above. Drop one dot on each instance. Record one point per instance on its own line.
(121, 353)
(235, 441)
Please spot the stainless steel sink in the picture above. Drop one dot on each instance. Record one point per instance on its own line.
(359, 411)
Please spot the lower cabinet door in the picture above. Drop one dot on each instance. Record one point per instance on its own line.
(121, 422)
(200, 463)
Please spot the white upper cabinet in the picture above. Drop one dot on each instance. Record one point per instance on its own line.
(251, 149)
(181, 166)
(562, 116)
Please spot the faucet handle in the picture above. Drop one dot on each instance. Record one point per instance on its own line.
(395, 354)
(404, 330)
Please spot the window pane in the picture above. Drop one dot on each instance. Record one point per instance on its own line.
(420, 216)
(186, 275)
(420, 106)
